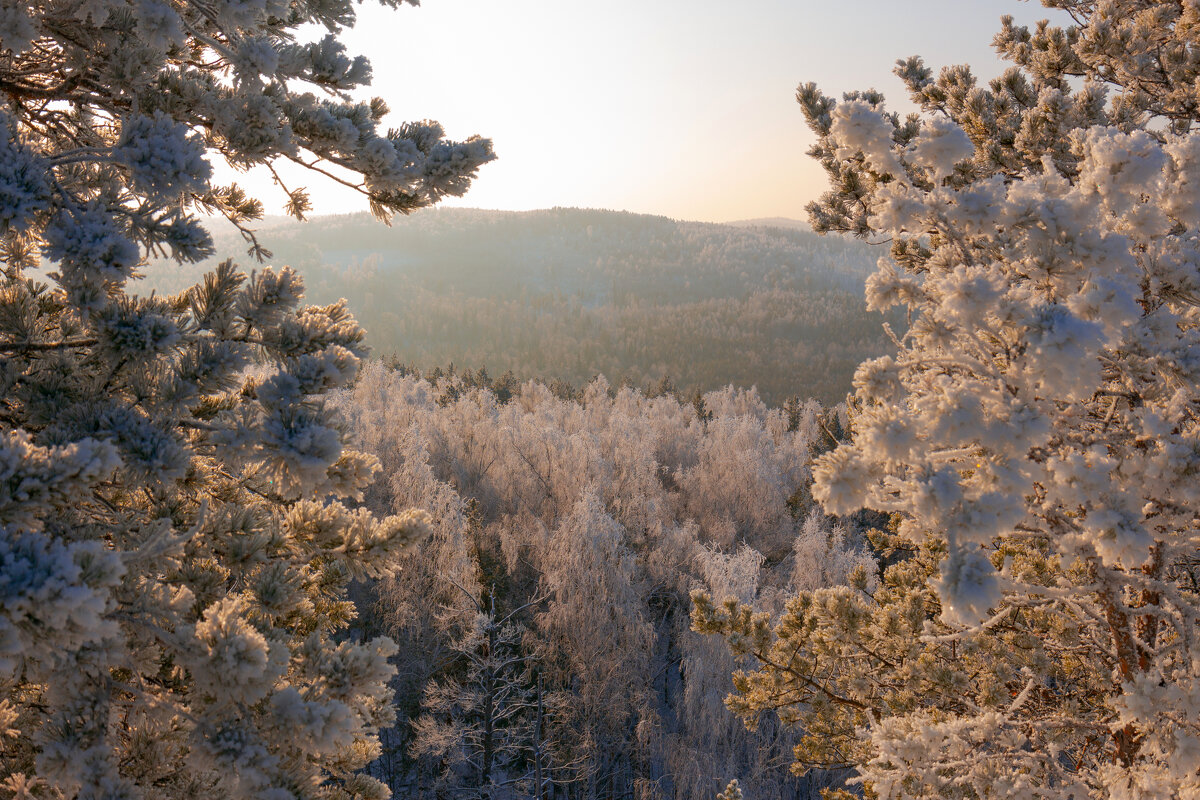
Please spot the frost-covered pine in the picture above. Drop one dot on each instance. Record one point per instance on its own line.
(732, 791)
(177, 510)
(1037, 436)
(479, 726)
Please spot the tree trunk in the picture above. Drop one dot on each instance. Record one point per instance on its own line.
(539, 786)
(489, 711)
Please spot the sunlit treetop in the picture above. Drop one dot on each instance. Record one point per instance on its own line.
(1035, 437)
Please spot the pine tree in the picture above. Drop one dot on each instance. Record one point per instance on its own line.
(177, 518)
(480, 723)
(1036, 437)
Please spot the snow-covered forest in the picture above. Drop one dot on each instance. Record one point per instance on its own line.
(240, 558)
(568, 535)
(568, 294)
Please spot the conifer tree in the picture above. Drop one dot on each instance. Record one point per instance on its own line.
(1036, 438)
(177, 519)
(479, 724)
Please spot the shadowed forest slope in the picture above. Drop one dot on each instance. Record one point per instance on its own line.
(568, 293)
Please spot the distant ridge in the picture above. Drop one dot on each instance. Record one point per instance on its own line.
(566, 293)
(275, 221)
(771, 222)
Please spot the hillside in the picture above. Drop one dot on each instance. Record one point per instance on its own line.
(568, 293)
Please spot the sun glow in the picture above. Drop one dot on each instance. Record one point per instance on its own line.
(676, 107)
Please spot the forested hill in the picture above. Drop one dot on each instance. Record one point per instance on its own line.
(569, 293)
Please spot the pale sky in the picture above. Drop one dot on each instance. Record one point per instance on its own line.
(683, 108)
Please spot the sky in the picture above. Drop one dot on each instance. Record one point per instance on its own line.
(683, 108)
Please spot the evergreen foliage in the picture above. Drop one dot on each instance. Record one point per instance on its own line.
(1035, 437)
(480, 727)
(178, 525)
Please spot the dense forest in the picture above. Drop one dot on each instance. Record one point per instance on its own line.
(568, 294)
(243, 559)
(545, 627)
